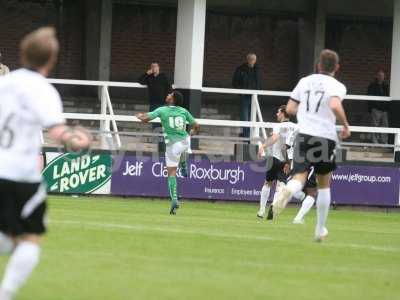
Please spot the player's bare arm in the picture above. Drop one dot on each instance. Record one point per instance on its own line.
(143, 117)
(195, 129)
(269, 142)
(272, 140)
(337, 108)
(291, 107)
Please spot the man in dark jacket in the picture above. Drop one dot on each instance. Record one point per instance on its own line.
(247, 76)
(379, 109)
(158, 85)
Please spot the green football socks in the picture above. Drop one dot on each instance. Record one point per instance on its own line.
(172, 189)
(183, 165)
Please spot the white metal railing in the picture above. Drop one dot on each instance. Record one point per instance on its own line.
(284, 94)
(105, 105)
(256, 114)
(222, 123)
(96, 83)
(256, 123)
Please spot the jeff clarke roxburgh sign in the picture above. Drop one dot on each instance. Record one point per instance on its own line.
(142, 176)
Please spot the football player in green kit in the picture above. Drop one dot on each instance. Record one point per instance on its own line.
(173, 120)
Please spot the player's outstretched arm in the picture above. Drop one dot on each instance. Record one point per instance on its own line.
(269, 142)
(143, 117)
(336, 105)
(291, 107)
(74, 138)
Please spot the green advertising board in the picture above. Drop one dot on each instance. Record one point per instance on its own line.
(78, 173)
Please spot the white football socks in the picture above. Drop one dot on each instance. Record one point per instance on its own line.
(323, 203)
(21, 264)
(264, 197)
(6, 244)
(307, 204)
(278, 188)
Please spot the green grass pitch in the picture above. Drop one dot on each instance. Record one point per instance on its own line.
(101, 248)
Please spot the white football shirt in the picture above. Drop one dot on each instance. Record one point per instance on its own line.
(314, 115)
(28, 103)
(284, 130)
(290, 141)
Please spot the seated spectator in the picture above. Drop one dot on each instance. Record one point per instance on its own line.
(379, 109)
(247, 76)
(3, 68)
(158, 85)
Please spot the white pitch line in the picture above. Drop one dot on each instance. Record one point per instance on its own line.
(220, 235)
(233, 262)
(163, 229)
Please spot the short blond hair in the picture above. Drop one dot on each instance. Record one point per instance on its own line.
(39, 47)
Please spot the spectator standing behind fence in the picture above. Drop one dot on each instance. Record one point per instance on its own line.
(247, 76)
(379, 109)
(3, 68)
(158, 85)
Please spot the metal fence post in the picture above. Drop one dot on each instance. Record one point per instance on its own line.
(104, 124)
(112, 122)
(254, 130)
(397, 147)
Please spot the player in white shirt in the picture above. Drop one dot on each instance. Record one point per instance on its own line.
(317, 102)
(308, 195)
(277, 164)
(28, 104)
(310, 191)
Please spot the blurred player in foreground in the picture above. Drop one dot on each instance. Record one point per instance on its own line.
(277, 163)
(173, 120)
(317, 101)
(28, 104)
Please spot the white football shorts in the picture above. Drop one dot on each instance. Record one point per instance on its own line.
(174, 151)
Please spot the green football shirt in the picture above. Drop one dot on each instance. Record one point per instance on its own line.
(173, 120)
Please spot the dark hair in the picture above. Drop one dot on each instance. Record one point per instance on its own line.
(178, 98)
(328, 60)
(282, 109)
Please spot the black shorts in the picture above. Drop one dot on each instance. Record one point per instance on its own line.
(22, 208)
(317, 152)
(311, 182)
(275, 170)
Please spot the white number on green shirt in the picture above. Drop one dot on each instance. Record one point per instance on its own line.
(177, 123)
